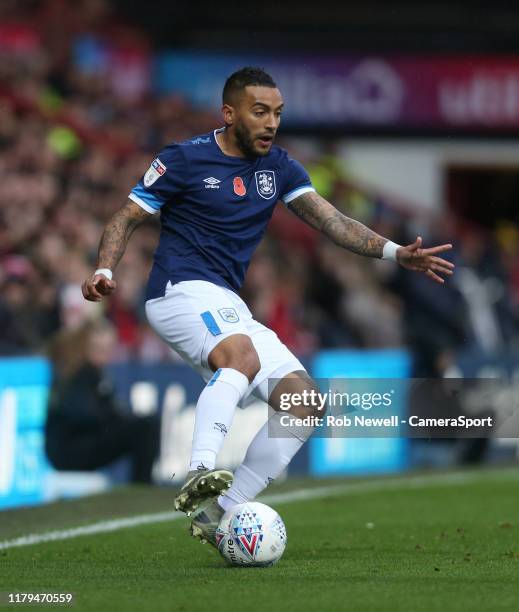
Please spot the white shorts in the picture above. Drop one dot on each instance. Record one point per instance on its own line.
(194, 316)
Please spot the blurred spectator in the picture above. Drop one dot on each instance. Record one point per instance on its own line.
(483, 282)
(28, 309)
(86, 427)
(435, 315)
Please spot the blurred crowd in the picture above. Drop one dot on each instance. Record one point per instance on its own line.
(74, 140)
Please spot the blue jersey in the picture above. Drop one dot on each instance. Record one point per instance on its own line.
(214, 209)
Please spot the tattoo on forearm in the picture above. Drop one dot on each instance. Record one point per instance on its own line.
(117, 232)
(353, 235)
(346, 232)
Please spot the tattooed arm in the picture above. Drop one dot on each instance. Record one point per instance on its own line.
(356, 237)
(113, 243)
(348, 233)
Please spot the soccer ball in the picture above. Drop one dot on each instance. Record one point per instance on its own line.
(252, 535)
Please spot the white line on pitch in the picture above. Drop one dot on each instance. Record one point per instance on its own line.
(409, 482)
(351, 488)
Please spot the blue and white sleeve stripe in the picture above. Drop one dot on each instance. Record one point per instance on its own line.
(295, 193)
(146, 200)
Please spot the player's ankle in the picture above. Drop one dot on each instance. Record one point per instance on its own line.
(225, 502)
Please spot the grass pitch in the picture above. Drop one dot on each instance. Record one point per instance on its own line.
(440, 542)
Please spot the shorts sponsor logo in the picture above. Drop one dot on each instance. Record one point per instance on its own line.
(155, 171)
(266, 183)
(229, 315)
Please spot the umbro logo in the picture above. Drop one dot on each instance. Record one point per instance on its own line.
(221, 428)
(212, 183)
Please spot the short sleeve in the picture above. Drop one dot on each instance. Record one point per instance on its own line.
(297, 181)
(163, 180)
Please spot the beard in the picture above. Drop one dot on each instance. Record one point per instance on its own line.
(246, 142)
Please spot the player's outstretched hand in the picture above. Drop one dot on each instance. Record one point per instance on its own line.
(413, 257)
(95, 288)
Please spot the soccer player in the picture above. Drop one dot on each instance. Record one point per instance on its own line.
(216, 194)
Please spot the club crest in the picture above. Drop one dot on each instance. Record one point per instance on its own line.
(266, 183)
(229, 315)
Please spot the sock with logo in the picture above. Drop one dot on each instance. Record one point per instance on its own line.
(213, 415)
(267, 456)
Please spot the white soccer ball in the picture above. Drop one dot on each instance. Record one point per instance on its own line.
(251, 534)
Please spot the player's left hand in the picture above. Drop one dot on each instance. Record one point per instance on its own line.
(413, 257)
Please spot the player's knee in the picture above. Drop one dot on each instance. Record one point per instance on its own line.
(250, 365)
(317, 404)
(247, 363)
(307, 402)
(298, 394)
(236, 352)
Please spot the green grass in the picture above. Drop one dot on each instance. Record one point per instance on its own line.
(438, 547)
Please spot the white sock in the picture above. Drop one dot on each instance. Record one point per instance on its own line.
(213, 416)
(267, 456)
